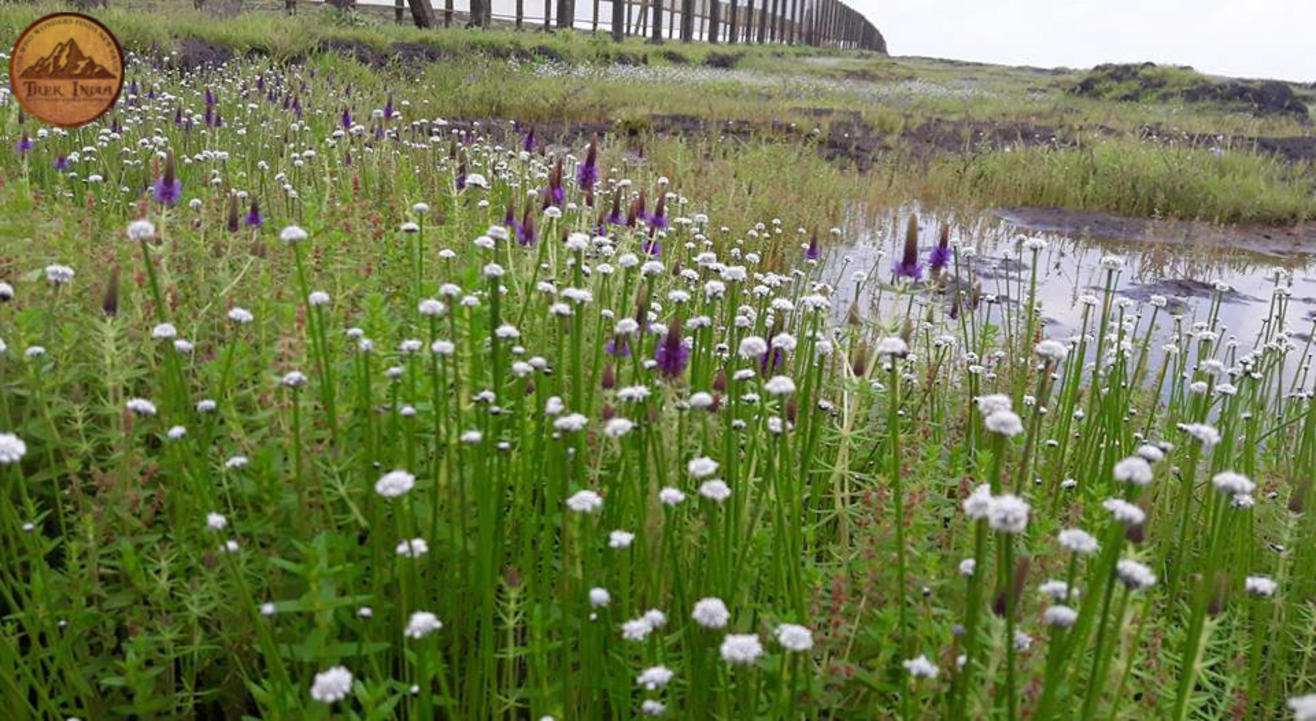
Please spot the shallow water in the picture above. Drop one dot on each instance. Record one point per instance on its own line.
(1182, 262)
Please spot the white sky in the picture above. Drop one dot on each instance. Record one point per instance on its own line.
(1244, 38)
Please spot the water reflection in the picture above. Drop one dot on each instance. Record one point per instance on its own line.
(1183, 263)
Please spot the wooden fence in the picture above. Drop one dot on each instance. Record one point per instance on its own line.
(819, 23)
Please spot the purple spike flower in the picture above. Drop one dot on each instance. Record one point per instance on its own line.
(254, 218)
(61, 162)
(24, 144)
(530, 142)
(347, 119)
(388, 108)
(168, 189)
(653, 247)
(812, 252)
(619, 347)
(671, 354)
(525, 230)
(939, 257)
(908, 265)
(587, 173)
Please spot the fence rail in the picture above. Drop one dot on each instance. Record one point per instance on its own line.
(818, 23)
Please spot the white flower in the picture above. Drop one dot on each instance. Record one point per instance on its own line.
(1059, 616)
(654, 677)
(268, 609)
(670, 496)
(164, 331)
(1135, 576)
(394, 484)
(236, 462)
(979, 503)
(1260, 585)
(921, 667)
(317, 298)
(332, 686)
(585, 502)
(711, 612)
(1052, 350)
(1150, 453)
(1303, 707)
(1077, 540)
(431, 307)
(206, 405)
(779, 386)
(1008, 514)
(141, 406)
(1205, 434)
(1125, 513)
(294, 379)
(1005, 423)
(422, 624)
(292, 234)
(992, 403)
(618, 427)
(58, 274)
(216, 521)
(599, 597)
(412, 548)
(892, 345)
(620, 539)
(571, 423)
(140, 230)
(752, 347)
(715, 490)
(1233, 484)
(741, 649)
(636, 629)
(794, 637)
(1135, 470)
(701, 467)
(651, 707)
(1056, 590)
(12, 449)
(968, 566)
(241, 316)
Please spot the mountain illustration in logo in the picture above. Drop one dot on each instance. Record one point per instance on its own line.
(66, 62)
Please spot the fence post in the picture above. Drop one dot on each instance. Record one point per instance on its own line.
(714, 20)
(657, 28)
(687, 20)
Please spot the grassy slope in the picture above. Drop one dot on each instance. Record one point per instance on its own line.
(1102, 166)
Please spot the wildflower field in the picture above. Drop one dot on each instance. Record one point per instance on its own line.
(316, 402)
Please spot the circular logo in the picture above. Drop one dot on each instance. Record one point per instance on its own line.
(66, 70)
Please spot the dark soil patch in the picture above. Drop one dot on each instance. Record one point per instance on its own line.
(363, 53)
(722, 60)
(195, 52)
(675, 58)
(1135, 82)
(1278, 243)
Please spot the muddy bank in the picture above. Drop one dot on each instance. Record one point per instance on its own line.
(1279, 243)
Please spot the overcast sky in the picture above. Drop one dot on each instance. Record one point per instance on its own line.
(1246, 38)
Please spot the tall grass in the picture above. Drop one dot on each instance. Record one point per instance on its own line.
(442, 436)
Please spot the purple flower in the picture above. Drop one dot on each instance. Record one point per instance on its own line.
(254, 219)
(812, 252)
(525, 230)
(940, 254)
(671, 353)
(771, 361)
(659, 218)
(652, 246)
(614, 216)
(587, 173)
(260, 83)
(460, 180)
(347, 119)
(168, 189)
(388, 108)
(908, 265)
(61, 162)
(24, 144)
(210, 98)
(619, 347)
(530, 143)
